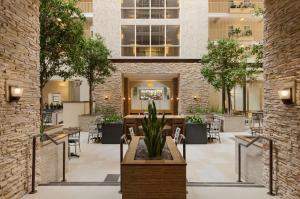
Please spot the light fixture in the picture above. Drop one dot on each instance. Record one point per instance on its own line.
(123, 98)
(242, 19)
(15, 93)
(106, 97)
(195, 97)
(178, 98)
(129, 98)
(286, 96)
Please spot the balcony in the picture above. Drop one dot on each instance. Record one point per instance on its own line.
(247, 31)
(86, 6)
(235, 7)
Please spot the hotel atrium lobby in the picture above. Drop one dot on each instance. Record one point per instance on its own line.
(150, 99)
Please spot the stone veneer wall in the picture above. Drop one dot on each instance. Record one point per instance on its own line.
(19, 61)
(191, 83)
(282, 64)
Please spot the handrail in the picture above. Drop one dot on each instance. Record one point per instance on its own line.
(34, 158)
(122, 139)
(270, 160)
(182, 137)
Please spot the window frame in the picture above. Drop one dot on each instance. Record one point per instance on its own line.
(150, 46)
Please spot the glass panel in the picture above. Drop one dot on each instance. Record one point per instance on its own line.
(142, 3)
(157, 13)
(128, 51)
(143, 35)
(172, 13)
(142, 13)
(173, 35)
(157, 3)
(127, 35)
(142, 51)
(127, 13)
(157, 35)
(172, 51)
(128, 3)
(172, 3)
(157, 51)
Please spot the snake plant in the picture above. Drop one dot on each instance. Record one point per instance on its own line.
(153, 131)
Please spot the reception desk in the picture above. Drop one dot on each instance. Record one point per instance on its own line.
(135, 121)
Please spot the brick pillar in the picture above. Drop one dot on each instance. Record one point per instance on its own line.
(282, 65)
(19, 61)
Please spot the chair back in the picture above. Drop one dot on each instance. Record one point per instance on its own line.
(176, 135)
(216, 125)
(131, 132)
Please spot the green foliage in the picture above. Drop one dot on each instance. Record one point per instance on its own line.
(195, 119)
(198, 109)
(96, 61)
(259, 12)
(113, 118)
(61, 33)
(257, 51)
(153, 128)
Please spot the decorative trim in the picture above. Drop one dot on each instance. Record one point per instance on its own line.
(155, 60)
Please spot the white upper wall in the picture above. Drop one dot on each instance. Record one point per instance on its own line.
(193, 21)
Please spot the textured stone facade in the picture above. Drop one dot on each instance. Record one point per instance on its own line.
(191, 83)
(19, 61)
(282, 65)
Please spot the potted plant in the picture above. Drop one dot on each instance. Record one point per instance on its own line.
(196, 130)
(151, 162)
(112, 129)
(153, 131)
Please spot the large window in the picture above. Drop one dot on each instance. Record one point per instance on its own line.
(150, 9)
(154, 40)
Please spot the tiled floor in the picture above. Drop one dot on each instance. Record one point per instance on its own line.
(112, 193)
(206, 163)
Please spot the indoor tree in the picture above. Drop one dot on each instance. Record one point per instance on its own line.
(226, 66)
(61, 33)
(96, 64)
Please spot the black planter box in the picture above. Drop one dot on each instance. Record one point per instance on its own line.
(196, 133)
(111, 133)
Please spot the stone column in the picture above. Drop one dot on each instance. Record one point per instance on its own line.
(282, 66)
(19, 66)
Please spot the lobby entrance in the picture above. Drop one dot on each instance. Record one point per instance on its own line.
(139, 89)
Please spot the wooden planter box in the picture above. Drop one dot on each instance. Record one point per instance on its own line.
(153, 179)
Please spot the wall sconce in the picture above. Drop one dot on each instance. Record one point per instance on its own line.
(287, 94)
(106, 97)
(123, 98)
(14, 93)
(172, 99)
(195, 97)
(178, 98)
(129, 98)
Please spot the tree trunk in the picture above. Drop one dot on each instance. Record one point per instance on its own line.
(90, 98)
(229, 101)
(223, 99)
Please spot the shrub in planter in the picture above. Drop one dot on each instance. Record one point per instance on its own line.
(112, 129)
(196, 130)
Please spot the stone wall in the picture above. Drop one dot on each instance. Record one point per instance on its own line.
(282, 65)
(191, 83)
(19, 61)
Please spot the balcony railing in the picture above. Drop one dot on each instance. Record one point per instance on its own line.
(86, 7)
(229, 7)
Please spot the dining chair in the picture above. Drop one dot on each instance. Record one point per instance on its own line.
(214, 131)
(74, 140)
(176, 135)
(93, 131)
(131, 133)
